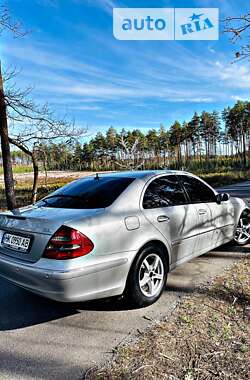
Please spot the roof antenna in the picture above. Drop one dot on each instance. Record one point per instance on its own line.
(97, 176)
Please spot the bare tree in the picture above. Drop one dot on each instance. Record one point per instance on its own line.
(6, 155)
(129, 160)
(238, 27)
(32, 125)
(6, 23)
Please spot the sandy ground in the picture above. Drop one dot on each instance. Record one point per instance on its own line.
(25, 177)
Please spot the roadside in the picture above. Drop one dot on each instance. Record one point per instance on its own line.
(54, 174)
(241, 190)
(225, 178)
(207, 337)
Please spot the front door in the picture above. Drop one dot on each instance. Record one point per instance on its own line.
(212, 217)
(223, 216)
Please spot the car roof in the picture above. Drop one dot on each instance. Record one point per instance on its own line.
(138, 173)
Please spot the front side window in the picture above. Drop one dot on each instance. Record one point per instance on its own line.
(163, 192)
(197, 191)
(88, 193)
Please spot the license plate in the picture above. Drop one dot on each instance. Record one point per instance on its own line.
(16, 242)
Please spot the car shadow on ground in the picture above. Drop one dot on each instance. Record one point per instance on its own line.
(223, 253)
(229, 247)
(20, 308)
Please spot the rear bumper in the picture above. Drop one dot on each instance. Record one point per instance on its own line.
(94, 281)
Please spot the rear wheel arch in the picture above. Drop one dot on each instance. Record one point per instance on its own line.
(131, 292)
(161, 245)
(157, 243)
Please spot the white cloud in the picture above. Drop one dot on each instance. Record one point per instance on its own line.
(52, 60)
(179, 76)
(234, 75)
(242, 98)
(137, 90)
(211, 50)
(86, 108)
(106, 5)
(67, 77)
(48, 3)
(193, 100)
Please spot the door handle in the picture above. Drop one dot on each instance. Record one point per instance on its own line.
(202, 212)
(163, 218)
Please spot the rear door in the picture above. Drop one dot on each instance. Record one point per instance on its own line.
(165, 206)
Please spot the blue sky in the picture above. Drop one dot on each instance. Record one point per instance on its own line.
(74, 63)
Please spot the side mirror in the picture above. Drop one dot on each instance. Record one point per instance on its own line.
(222, 197)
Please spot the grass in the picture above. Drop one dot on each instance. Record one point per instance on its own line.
(225, 178)
(207, 337)
(24, 192)
(19, 169)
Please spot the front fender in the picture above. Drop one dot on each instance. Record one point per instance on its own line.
(239, 205)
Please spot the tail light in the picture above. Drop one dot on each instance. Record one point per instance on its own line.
(67, 243)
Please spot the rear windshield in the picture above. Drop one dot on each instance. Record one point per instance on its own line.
(87, 193)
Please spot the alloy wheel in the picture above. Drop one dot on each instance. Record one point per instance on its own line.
(151, 275)
(242, 233)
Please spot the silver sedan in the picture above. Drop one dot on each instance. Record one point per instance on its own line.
(116, 233)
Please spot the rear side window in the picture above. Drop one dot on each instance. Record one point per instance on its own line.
(88, 193)
(164, 192)
(197, 190)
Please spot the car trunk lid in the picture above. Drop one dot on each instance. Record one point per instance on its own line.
(37, 224)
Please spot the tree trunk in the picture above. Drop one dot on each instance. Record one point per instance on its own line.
(34, 163)
(6, 155)
(45, 172)
(244, 149)
(35, 178)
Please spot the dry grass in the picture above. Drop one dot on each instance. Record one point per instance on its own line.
(206, 338)
(17, 169)
(225, 178)
(24, 189)
(24, 192)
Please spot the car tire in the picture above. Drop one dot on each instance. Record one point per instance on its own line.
(242, 233)
(150, 267)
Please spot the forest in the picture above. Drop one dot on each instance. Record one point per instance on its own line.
(209, 142)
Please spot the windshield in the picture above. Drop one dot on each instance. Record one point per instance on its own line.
(87, 193)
